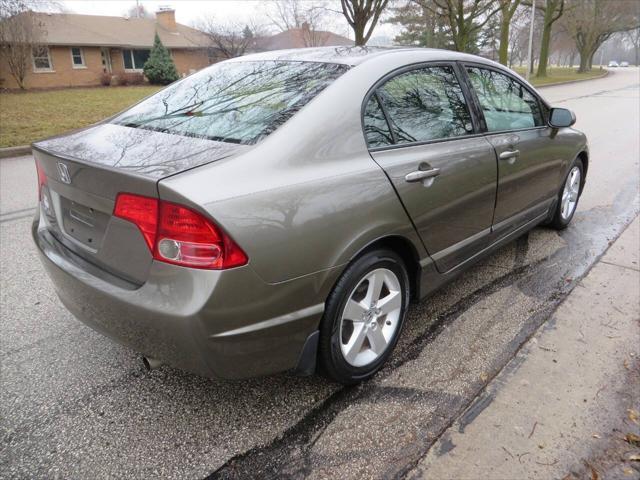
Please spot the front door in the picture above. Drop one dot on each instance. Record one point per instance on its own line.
(105, 53)
(529, 167)
(420, 131)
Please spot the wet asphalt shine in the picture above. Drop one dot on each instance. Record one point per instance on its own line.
(73, 404)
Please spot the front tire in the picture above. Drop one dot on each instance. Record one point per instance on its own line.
(568, 196)
(363, 317)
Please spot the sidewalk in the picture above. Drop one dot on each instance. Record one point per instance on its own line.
(563, 406)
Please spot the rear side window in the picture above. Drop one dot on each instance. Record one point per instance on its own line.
(506, 104)
(426, 104)
(376, 128)
(238, 102)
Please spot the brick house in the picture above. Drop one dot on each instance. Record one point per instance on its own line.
(300, 38)
(77, 49)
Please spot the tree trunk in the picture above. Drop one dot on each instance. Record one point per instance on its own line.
(503, 53)
(544, 50)
(359, 32)
(585, 57)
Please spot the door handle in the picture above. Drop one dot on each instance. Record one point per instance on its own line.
(422, 174)
(507, 154)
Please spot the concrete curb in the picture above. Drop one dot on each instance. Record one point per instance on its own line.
(15, 151)
(555, 84)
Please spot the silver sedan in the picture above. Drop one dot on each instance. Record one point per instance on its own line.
(281, 210)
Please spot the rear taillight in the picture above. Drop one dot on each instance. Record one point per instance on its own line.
(42, 179)
(176, 234)
(143, 211)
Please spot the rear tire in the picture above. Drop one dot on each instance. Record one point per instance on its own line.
(363, 317)
(568, 196)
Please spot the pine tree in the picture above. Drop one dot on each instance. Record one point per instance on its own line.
(159, 67)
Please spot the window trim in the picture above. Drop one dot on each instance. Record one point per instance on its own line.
(33, 60)
(475, 121)
(383, 109)
(124, 65)
(507, 73)
(74, 65)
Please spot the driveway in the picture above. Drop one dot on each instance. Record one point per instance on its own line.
(73, 404)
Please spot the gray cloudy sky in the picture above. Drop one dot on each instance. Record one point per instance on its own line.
(189, 12)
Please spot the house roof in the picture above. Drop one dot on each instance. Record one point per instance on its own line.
(301, 38)
(104, 31)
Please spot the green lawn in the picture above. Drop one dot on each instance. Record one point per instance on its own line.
(29, 116)
(559, 74)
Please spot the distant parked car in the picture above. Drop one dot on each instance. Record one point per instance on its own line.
(614, 64)
(285, 207)
(624, 64)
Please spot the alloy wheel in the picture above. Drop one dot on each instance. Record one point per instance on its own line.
(570, 193)
(371, 317)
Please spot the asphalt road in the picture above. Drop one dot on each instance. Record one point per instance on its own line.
(75, 405)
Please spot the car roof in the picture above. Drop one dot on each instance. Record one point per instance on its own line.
(356, 55)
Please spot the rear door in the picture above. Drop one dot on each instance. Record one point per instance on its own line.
(421, 132)
(529, 167)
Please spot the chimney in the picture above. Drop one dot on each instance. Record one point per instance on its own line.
(166, 17)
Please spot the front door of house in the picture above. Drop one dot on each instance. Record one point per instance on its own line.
(106, 59)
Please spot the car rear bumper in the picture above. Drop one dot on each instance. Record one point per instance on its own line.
(227, 324)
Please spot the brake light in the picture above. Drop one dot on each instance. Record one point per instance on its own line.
(143, 211)
(176, 234)
(42, 179)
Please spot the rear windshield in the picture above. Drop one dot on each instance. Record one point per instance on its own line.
(238, 102)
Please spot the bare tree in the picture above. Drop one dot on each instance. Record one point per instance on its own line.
(307, 16)
(592, 22)
(465, 18)
(518, 37)
(552, 10)
(138, 11)
(228, 40)
(287, 14)
(507, 11)
(20, 33)
(362, 16)
(634, 37)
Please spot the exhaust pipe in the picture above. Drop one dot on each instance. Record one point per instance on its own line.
(151, 363)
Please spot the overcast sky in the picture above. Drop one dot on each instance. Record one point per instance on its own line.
(188, 12)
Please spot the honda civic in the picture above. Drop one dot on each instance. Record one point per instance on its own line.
(280, 211)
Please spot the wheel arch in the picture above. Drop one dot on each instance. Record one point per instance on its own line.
(405, 249)
(584, 158)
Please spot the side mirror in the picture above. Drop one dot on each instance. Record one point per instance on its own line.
(561, 117)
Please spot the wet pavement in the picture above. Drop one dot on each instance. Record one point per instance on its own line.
(73, 404)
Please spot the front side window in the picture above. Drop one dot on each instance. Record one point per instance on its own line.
(238, 102)
(134, 59)
(41, 58)
(426, 104)
(376, 128)
(506, 104)
(77, 57)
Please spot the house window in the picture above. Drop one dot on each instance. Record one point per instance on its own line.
(134, 59)
(41, 59)
(77, 57)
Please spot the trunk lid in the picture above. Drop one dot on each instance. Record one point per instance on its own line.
(86, 170)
